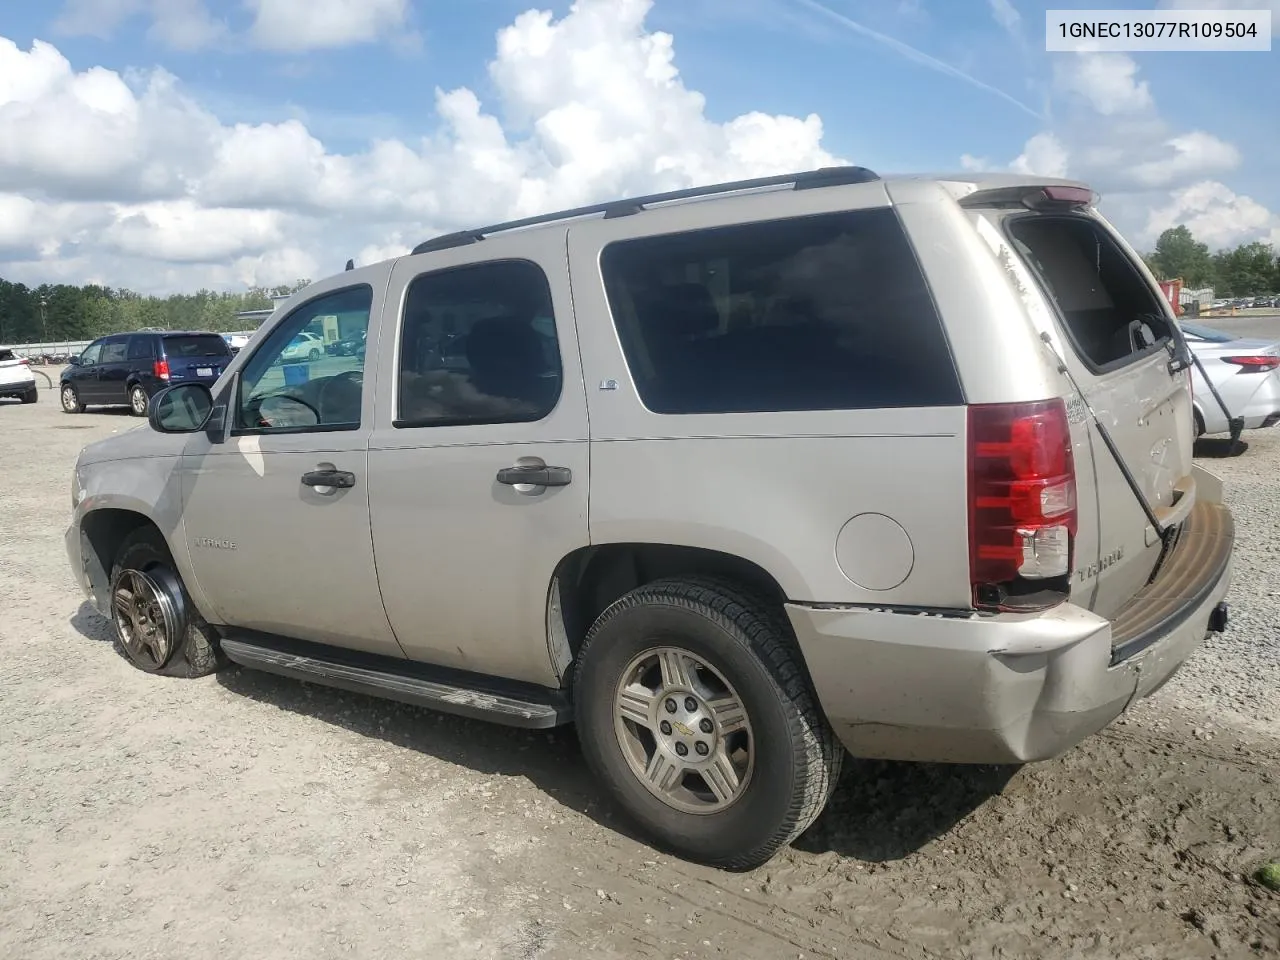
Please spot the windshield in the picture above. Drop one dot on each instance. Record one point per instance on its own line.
(1206, 333)
(196, 345)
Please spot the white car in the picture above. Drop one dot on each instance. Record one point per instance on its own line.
(304, 346)
(16, 378)
(1246, 374)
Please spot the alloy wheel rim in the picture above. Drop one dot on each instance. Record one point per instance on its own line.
(145, 618)
(68, 398)
(139, 401)
(684, 731)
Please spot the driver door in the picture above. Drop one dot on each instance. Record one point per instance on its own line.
(277, 515)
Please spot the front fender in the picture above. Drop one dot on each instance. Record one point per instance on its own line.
(149, 487)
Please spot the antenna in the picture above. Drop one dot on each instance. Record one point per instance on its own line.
(351, 264)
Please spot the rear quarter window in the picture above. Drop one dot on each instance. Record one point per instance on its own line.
(826, 312)
(200, 345)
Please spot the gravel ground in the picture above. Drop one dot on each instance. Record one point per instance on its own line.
(246, 815)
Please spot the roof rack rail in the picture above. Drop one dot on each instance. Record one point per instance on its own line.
(804, 180)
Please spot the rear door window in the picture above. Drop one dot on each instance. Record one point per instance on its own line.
(196, 345)
(827, 312)
(1110, 313)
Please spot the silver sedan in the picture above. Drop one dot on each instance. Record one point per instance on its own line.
(1246, 373)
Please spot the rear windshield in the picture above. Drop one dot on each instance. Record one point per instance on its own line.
(6, 355)
(1111, 314)
(825, 312)
(197, 345)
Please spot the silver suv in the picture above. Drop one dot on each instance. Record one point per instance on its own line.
(734, 478)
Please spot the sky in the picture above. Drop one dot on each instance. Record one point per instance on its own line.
(172, 145)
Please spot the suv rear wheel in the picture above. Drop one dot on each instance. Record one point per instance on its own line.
(157, 627)
(692, 706)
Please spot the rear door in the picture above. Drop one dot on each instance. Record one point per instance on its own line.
(195, 356)
(483, 379)
(1116, 336)
(113, 371)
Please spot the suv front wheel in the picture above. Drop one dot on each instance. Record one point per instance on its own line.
(694, 709)
(70, 399)
(157, 627)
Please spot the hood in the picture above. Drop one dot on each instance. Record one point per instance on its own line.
(140, 441)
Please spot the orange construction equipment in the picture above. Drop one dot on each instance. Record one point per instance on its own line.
(1172, 290)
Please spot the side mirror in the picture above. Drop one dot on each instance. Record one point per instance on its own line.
(73, 361)
(183, 408)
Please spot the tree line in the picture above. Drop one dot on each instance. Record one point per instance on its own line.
(55, 312)
(1248, 270)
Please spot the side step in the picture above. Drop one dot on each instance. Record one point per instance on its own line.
(449, 691)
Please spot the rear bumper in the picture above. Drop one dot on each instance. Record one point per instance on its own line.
(1011, 689)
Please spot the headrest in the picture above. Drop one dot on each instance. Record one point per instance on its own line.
(678, 310)
(506, 346)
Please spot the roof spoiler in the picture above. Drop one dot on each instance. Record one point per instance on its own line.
(1055, 196)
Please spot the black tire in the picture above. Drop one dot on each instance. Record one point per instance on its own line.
(138, 395)
(71, 402)
(314, 355)
(196, 653)
(31, 396)
(797, 758)
(1199, 424)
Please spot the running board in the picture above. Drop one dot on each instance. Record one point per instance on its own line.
(448, 691)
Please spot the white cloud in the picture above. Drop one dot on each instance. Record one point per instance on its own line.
(1044, 156)
(1006, 14)
(131, 181)
(1216, 215)
(1106, 80)
(181, 24)
(296, 25)
(1194, 154)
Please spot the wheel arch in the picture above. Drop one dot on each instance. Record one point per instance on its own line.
(589, 579)
(102, 532)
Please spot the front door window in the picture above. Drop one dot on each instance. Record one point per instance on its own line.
(300, 379)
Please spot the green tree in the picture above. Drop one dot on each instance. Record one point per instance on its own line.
(1247, 270)
(1179, 254)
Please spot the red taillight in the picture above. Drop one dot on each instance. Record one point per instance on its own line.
(1254, 363)
(25, 361)
(1022, 503)
(161, 369)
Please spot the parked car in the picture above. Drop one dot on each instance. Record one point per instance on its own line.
(16, 378)
(127, 369)
(347, 346)
(305, 346)
(734, 486)
(235, 341)
(1246, 374)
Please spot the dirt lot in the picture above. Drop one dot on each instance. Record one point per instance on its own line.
(249, 816)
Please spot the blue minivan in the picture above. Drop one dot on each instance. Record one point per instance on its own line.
(126, 369)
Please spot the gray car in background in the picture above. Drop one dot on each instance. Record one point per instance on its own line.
(1244, 371)
(736, 479)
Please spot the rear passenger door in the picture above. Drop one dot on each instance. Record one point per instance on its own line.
(483, 379)
(113, 371)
